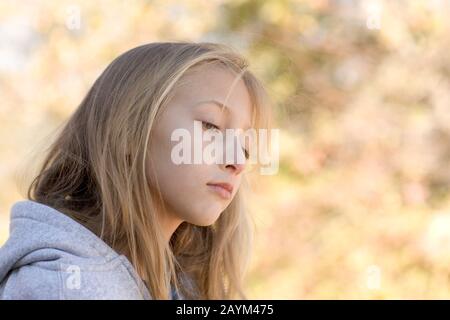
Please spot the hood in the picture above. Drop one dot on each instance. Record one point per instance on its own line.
(42, 238)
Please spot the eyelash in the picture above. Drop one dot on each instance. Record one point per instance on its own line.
(246, 153)
(209, 125)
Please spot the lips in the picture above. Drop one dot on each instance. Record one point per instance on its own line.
(225, 190)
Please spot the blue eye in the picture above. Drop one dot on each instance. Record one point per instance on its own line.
(209, 125)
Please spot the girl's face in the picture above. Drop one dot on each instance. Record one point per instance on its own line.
(186, 188)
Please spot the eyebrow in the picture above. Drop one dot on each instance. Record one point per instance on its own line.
(221, 105)
(217, 103)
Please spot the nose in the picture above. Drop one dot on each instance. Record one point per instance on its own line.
(236, 165)
(235, 168)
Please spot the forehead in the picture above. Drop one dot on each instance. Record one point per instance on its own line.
(212, 82)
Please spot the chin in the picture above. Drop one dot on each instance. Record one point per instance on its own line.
(206, 220)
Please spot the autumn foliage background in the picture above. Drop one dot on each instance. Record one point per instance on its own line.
(360, 205)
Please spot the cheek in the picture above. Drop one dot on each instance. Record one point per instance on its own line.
(186, 194)
(183, 187)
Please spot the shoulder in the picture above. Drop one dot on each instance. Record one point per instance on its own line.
(73, 280)
(30, 283)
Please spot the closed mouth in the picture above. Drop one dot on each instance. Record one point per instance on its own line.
(223, 189)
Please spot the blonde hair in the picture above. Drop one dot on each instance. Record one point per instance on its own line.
(95, 172)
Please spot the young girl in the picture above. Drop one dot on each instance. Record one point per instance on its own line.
(110, 215)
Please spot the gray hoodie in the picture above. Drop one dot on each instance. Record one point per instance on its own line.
(48, 255)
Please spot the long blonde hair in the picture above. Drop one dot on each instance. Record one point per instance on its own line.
(94, 172)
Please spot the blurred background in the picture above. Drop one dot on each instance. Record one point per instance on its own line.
(360, 205)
